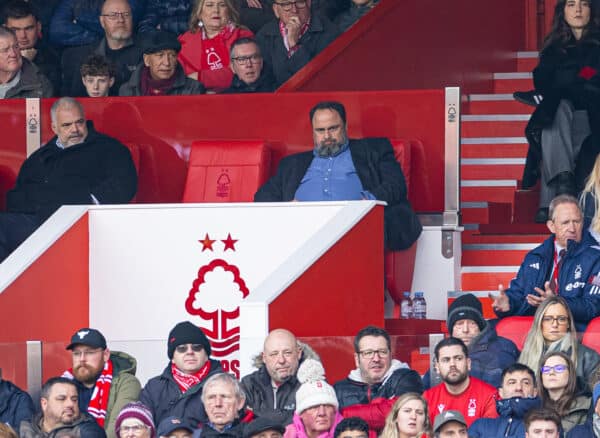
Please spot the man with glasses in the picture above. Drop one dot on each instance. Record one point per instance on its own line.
(105, 380)
(117, 46)
(60, 415)
(249, 76)
(178, 390)
(472, 397)
(289, 42)
(271, 390)
(370, 390)
(565, 264)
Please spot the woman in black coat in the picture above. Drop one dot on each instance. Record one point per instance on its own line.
(567, 76)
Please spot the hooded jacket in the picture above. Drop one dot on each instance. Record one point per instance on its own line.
(509, 424)
(358, 398)
(297, 430)
(280, 405)
(124, 388)
(164, 398)
(578, 272)
(84, 427)
(489, 354)
(15, 405)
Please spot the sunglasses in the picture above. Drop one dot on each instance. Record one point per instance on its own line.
(557, 368)
(196, 348)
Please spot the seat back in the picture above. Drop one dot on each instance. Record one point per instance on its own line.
(134, 150)
(226, 170)
(402, 153)
(591, 336)
(515, 328)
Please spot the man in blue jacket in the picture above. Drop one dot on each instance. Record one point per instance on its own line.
(564, 264)
(15, 405)
(519, 396)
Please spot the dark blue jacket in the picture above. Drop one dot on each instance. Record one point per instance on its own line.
(509, 424)
(76, 22)
(15, 405)
(164, 398)
(585, 430)
(575, 281)
(170, 15)
(489, 354)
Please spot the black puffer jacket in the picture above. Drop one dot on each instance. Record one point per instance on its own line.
(398, 380)
(259, 392)
(15, 405)
(170, 15)
(164, 398)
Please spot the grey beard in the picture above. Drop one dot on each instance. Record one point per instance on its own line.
(325, 151)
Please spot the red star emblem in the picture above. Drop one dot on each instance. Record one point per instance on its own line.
(207, 243)
(229, 243)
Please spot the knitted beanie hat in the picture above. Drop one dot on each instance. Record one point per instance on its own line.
(467, 306)
(136, 410)
(314, 390)
(186, 333)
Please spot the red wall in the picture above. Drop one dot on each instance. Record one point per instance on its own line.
(166, 126)
(405, 44)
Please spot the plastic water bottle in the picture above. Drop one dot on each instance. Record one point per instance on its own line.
(419, 306)
(406, 307)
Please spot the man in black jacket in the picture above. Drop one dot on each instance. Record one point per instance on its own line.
(342, 169)
(271, 390)
(178, 390)
(377, 378)
(247, 66)
(78, 166)
(117, 46)
(294, 38)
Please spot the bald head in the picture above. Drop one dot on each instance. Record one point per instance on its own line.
(281, 355)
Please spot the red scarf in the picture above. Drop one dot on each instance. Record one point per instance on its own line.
(154, 87)
(215, 55)
(99, 401)
(186, 381)
(283, 31)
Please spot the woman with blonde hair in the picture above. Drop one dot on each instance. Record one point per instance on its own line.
(590, 201)
(408, 418)
(553, 330)
(557, 388)
(213, 28)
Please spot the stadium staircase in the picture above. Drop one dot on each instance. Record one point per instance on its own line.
(497, 215)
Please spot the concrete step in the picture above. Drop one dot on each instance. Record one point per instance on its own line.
(511, 82)
(494, 147)
(493, 125)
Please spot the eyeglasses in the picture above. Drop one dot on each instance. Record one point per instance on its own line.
(250, 59)
(557, 368)
(196, 348)
(369, 354)
(114, 16)
(561, 320)
(85, 353)
(287, 6)
(135, 429)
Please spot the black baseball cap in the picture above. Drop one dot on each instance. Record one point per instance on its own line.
(171, 424)
(87, 336)
(260, 425)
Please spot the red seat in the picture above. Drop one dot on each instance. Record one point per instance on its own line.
(515, 328)
(134, 150)
(400, 265)
(591, 336)
(226, 170)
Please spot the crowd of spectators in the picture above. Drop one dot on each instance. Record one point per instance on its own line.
(46, 47)
(553, 394)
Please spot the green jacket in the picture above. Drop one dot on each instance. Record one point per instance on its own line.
(125, 388)
(577, 413)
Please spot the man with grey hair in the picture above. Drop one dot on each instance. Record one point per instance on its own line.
(19, 77)
(249, 76)
(564, 264)
(223, 400)
(77, 166)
